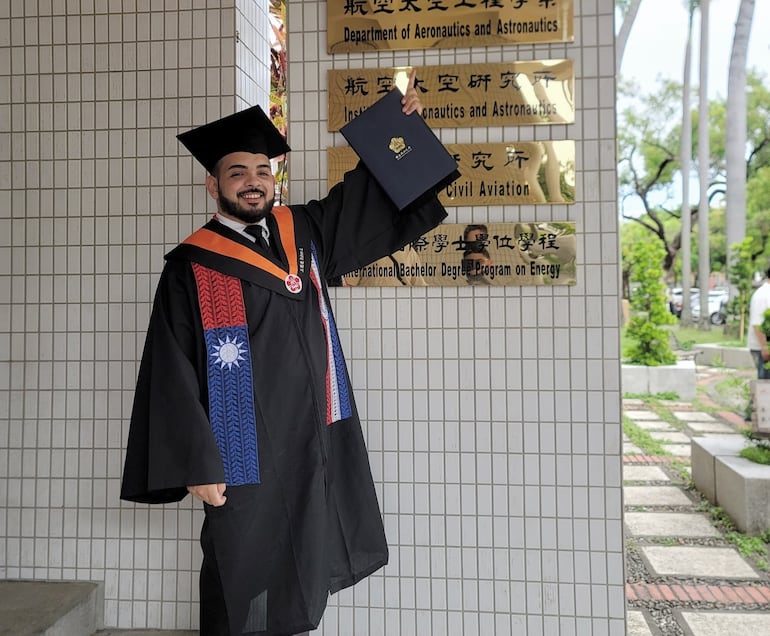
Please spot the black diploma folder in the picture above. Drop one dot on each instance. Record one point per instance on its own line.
(401, 151)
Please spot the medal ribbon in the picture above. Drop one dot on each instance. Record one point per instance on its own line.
(338, 403)
(213, 242)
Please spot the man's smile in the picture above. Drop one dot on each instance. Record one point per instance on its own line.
(252, 196)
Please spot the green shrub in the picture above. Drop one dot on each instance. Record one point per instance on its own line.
(649, 340)
(756, 454)
(740, 271)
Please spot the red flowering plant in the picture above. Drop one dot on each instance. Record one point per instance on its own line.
(278, 97)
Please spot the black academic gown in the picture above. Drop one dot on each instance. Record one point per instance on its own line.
(312, 524)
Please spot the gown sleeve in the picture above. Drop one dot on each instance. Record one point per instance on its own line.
(170, 443)
(356, 223)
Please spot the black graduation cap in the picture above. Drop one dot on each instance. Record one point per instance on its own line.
(249, 130)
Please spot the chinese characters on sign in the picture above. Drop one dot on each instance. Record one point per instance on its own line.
(366, 25)
(495, 174)
(508, 94)
(515, 93)
(490, 254)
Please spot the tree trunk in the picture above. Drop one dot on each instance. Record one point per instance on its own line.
(735, 148)
(704, 151)
(686, 161)
(625, 30)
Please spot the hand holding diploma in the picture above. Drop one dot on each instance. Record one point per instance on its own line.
(410, 102)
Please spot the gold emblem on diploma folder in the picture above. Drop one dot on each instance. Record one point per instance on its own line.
(384, 125)
(397, 144)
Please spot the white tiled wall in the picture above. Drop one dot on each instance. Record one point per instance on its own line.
(492, 415)
(94, 188)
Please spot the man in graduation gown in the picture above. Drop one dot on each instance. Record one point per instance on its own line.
(243, 397)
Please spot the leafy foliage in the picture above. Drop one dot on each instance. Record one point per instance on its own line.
(642, 439)
(757, 454)
(649, 132)
(765, 326)
(649, 340)
(740, 273)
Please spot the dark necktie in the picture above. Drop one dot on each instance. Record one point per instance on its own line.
(256, 231)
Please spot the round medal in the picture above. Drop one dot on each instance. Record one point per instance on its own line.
(293, 283)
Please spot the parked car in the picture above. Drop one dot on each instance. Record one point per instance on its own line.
(717, 300)
(716, 306)
(675, 301)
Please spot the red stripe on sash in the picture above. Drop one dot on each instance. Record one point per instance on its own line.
(216, 293)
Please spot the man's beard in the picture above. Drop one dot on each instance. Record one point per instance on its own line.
(247, 213)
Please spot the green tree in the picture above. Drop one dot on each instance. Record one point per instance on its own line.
(758, 213)
(649, 340)
(740, 272)
(649, 153)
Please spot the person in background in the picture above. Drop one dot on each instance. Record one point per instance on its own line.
(756, 340)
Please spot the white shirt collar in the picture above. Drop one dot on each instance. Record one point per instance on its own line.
(239, 227)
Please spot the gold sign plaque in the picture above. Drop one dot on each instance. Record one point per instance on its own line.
(367, 25)
(523, 172)
(491, 254)
(464, 95)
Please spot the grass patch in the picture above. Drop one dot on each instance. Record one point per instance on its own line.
(757, 451)
(689, 337)
(756, 454)
(642, 439)
(647, 398)
(663, 411)
(750, 547)
(683, 472)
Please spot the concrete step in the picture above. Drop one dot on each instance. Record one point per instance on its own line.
(50, 608)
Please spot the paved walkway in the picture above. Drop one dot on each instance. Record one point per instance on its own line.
(683, 576)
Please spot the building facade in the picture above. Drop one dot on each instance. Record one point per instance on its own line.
(492, 415)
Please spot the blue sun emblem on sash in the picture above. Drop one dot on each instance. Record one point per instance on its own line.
(228, 352)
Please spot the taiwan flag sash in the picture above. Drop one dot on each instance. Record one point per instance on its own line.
(228, 361)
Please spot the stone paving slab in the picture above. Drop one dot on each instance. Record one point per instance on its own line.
(655, 496)
(722, 563)
(680, 450)
(673, 437)
(641, 415)
(669, 524)
(723, 623)
(710, 427)
(631, 448)
(693, 416)
(644, 473)
(636, 625)
(654, 425)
